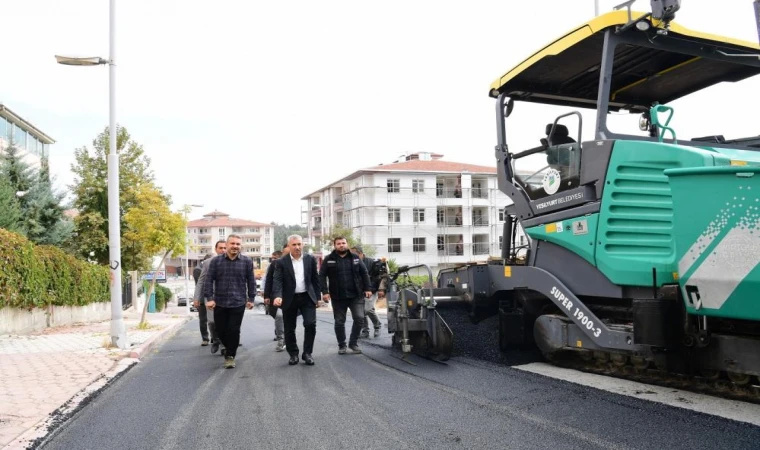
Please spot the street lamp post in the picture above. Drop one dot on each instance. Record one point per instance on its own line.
(187, 259)
(118, 330)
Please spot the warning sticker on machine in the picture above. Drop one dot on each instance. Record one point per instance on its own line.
(575, 313)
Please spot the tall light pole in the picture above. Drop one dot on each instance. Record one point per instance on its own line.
(596, 8)
(118, 330)
(187, 259)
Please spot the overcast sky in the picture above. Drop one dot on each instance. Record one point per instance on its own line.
(247, 106)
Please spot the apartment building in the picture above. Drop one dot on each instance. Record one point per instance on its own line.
(33, 143)
(420, 209)
(258, 237)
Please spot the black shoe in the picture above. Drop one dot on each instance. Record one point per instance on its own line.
(275, 338)
(293, 360)
(308, 359)
(214, 347)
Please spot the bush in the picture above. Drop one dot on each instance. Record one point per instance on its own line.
(163, 295)
(39, 275)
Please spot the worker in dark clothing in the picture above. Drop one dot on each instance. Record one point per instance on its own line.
(378, 291)
(345, 282)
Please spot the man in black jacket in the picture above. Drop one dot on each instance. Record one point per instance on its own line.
(345, 281)
(295, 287)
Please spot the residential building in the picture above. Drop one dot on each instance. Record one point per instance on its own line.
(420, 209)
(33, 143)
(257, 237)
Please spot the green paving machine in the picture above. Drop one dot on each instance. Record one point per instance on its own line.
(643, 247)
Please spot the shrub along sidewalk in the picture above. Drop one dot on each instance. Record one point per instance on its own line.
(36, 276)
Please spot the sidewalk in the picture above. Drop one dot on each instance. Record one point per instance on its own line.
(47, 375)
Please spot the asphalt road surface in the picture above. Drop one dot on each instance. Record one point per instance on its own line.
(179, 397)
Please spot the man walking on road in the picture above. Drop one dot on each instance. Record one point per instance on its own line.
(230, 289)
(199, 301)
(295, 287)
(276, 313)
(345, 281)
(377, 292)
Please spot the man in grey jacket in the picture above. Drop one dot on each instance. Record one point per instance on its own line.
(200, 303)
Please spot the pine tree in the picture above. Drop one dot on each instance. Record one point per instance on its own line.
(10, 211)
(40, 216)
(17, 172)
(43, 219)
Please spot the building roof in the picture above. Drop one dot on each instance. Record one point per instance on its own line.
(221, 219)
(15, 118)
(417, 166)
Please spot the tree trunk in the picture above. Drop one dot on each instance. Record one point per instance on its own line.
(150, 290)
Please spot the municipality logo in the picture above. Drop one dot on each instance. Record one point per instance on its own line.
(551, 181)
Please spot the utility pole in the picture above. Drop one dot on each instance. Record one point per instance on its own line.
(757, 18)
(596, 8)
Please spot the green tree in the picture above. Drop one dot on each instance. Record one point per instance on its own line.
(158, 230)
(91, 196)
(282, 231)
(10, 210)
(17, 172)
(42, 218)
(40, 209)
(347, 233)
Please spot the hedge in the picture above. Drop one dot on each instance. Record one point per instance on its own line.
(35, 276)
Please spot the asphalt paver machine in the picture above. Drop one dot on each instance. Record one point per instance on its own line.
(643, 247)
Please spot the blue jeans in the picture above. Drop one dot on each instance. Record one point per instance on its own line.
(340, 308)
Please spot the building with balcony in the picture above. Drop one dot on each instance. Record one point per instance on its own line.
(33, 143)
(420, 209)
(257, 237)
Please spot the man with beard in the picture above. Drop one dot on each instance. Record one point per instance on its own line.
(230, 288)
(345, 282)
(206, 319)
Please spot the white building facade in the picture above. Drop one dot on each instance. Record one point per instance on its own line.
(257, 237)
(419, 210)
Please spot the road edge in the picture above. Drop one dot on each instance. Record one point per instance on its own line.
(43, 431)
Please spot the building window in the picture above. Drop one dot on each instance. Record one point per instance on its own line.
(501, 241)
(440, 216)
(418, 186)
(19, 137)
(419, 214)
(418, 244)
(501, 215)
(394, 245)
(222, 232)
(394, 215)
(441, 243)
(394, 185)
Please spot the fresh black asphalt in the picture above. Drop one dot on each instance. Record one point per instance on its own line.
(179, 397)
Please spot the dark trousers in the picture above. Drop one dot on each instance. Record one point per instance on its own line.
(340, 308)
(206, 325)
(228, 322)
(304, 304)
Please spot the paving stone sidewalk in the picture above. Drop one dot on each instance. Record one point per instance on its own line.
(48, 373)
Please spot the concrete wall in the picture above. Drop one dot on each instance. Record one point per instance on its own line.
(22, 321)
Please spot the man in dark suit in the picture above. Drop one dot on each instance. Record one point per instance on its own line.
(295, 287)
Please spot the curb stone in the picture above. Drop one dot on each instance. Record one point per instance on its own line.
(144, 348)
